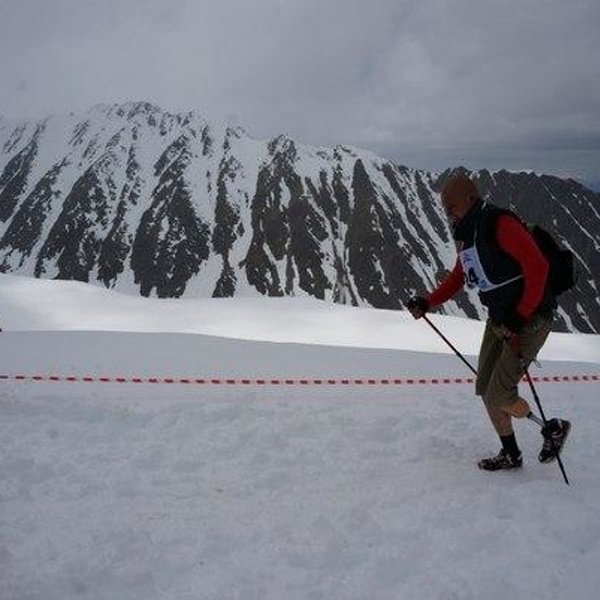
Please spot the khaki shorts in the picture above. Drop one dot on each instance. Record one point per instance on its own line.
(500, 369)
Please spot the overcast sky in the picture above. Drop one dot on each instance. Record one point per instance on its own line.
(427, 83)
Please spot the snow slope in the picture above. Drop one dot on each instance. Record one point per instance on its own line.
(123, 491)
(28, 304)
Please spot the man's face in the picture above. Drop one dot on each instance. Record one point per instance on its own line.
(456, 206)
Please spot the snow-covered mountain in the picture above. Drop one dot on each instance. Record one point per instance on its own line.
(145, 201)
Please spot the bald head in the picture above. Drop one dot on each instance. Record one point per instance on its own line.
(458, 196)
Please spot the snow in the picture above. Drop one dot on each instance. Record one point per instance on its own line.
(206, 492)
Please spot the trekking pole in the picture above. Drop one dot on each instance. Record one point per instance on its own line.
(473, 370)
(539, 405)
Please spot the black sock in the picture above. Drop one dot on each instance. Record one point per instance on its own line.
(509, 443)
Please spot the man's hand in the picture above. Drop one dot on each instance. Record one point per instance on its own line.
(417, 306)
(513, 322)
(511, 326)
(512, 340)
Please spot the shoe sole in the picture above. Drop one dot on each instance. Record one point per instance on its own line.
(515, 468)
(511, 468)
(553, 457)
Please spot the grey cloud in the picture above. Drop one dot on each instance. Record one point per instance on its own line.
(513, 82)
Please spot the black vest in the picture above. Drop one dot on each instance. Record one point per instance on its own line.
(486, 266)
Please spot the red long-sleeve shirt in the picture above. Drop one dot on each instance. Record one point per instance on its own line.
(516, 241)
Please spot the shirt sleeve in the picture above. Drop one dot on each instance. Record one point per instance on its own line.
(449, 286)
(517, 242)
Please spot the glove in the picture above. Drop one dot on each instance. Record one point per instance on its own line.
(513, 341)
(417, 306)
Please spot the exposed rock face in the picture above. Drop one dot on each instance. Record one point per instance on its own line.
(144, 201)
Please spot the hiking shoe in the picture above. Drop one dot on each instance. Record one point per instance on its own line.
(502, 460)
(555, 435)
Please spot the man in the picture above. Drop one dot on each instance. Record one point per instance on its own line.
(497, 254)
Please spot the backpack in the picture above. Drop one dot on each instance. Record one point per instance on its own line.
(563, 273)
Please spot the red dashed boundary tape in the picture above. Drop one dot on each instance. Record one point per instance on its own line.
(280, 381)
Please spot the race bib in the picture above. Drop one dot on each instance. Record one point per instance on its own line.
(475, 276)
